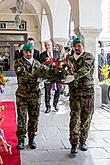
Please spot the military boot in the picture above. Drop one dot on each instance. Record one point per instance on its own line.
(32, 143)
(74, 149)
(83, 146)
(20, 145)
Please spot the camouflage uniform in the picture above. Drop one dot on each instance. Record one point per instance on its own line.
(28, 95)
(81, 98)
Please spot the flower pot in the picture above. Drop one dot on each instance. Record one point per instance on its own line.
(105, 94)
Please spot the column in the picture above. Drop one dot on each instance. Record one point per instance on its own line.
(91, 45)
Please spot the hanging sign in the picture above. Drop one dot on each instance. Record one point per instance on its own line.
(11, 25)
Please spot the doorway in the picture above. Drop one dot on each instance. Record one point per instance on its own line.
(8, 45)
(7, 52)
(5, 57)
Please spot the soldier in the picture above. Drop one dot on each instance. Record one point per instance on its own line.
(28, 95)
(81, 91)
(36, 52)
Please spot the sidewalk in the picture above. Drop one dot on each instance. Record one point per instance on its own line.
(52, 139)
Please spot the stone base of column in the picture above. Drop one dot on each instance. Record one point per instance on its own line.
(98, 96)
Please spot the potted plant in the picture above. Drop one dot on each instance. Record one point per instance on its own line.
(105, 84)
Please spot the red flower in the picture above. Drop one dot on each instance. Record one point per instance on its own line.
(57, 64)
(50, 60)
(59, 67)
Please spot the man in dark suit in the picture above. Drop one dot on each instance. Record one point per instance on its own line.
(36, 52)
(43, 57)
(18, 52)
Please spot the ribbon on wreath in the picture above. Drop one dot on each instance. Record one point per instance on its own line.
(55, 86)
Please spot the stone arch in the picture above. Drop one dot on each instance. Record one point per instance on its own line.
(75, 12)
(46, 7)
(33, 10)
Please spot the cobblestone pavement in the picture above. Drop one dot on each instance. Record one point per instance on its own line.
(52, 139)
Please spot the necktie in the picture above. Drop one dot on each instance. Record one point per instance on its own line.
(50, 55)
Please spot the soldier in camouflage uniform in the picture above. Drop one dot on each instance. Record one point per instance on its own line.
(28, 95)
(81, 91)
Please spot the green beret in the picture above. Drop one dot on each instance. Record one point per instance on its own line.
(67, 47)
(78, 40)
(28, 47)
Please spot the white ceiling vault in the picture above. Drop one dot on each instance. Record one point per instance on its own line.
(31, 6)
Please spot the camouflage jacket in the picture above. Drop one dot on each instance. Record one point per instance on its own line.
(27, 77)
(84, 68)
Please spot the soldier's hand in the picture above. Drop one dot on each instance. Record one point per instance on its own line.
(68, 79)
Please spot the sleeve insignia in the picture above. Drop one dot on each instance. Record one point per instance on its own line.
(19, 69)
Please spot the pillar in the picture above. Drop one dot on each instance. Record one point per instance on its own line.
(91, 36)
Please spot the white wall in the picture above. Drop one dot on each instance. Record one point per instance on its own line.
(60, 12)
(89, 17)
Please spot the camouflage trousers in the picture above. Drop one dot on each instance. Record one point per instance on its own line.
(82, 109)
(31, 107)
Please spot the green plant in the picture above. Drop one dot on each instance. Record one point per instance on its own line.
(105, 72)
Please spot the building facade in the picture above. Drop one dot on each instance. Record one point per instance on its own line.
(49, 19)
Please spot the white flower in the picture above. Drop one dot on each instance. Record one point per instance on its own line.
(66, 68)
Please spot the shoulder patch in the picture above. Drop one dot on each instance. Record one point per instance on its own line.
(19, 69)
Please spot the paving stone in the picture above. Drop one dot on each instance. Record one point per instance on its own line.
(100, 134)
(102, 127)
(97, 142)
(53, 146)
